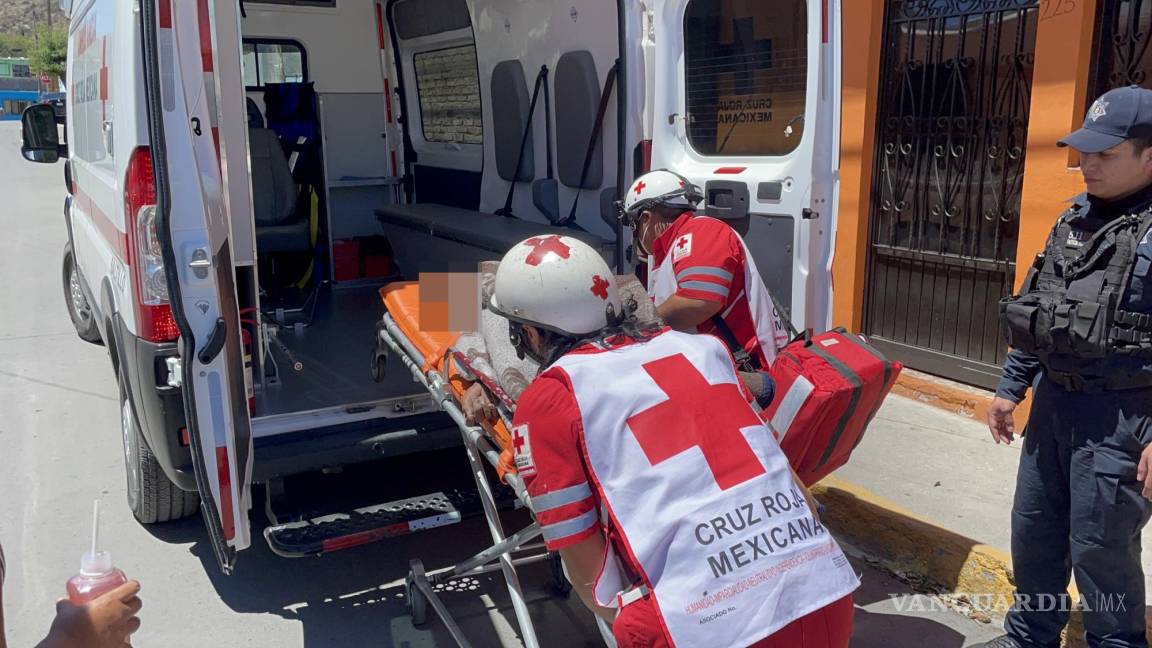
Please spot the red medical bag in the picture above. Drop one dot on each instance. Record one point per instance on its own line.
(828, 388)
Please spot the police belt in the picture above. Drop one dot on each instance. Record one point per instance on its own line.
(1096, 384)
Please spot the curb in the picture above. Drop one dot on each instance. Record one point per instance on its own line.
(969, 402)
(906, 544)
(967, 571)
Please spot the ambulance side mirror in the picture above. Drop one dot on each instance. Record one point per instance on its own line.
(41, 135)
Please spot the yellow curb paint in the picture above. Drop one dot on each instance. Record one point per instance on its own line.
(902, 541)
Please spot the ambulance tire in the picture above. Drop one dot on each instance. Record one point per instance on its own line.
(79, 310)
(152, 496)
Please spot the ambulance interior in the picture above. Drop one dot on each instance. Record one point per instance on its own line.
(389, 139)
(364, 172)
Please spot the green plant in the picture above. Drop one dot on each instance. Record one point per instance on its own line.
(49, 53)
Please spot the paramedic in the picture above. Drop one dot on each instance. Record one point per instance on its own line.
(701, 275)
(1081, 333)
(675, 512)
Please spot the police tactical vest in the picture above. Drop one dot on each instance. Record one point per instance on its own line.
(1069, 311)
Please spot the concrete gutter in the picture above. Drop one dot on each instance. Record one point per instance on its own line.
(974, 576)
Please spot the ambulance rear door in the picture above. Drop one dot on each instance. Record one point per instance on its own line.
(747, 105)
(181, 70)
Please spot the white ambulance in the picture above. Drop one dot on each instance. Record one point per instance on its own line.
(244, 177)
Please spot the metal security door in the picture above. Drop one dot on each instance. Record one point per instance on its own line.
(1123, 35)
(951, 134)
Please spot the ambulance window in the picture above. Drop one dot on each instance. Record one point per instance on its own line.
(448, 87)
(746, 69)
(273, 61)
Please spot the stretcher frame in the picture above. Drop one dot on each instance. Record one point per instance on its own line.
(420, 583)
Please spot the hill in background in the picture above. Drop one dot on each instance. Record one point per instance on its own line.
(25, 16)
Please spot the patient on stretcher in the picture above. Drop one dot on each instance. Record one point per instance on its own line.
(490, 353)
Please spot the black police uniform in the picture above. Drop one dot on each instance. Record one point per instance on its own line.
(1081, 333)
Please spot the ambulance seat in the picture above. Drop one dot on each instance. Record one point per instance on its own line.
(274, 194)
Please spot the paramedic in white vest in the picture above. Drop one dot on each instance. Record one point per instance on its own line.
(649, 470)
(701, 275)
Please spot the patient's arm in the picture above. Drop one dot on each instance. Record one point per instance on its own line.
(583, 561)
(478, 406)
(685, 314)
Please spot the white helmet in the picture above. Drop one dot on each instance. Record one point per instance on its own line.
(660, 187)
(557, 283)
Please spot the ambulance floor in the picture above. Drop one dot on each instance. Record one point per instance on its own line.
(945, 468)
(334, 354)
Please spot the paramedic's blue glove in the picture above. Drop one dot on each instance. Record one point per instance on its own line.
(767, 389)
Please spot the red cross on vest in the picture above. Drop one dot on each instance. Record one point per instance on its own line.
(640, 187)
(700, 415)
(542, 245)
(682, 242)
(517, 438)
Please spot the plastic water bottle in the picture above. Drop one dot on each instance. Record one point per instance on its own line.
(97, 575)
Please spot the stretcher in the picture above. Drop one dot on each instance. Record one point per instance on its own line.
(446, 372)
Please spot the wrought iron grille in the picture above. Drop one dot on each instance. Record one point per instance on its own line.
(1123, 35)
(952, 127)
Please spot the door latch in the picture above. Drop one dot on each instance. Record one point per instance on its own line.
(808, 214)
(200, 263)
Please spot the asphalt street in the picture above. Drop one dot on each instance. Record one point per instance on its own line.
(60, 448)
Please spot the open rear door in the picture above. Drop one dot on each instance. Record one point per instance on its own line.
(747, 105)
(193, 232)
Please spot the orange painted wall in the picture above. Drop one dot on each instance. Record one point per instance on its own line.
(863, 24)
(1059, 97)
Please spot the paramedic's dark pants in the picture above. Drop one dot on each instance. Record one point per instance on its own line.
(1078, 509)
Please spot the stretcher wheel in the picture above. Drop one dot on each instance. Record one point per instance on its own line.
(413, 597)
(559, 580)
(379, 365)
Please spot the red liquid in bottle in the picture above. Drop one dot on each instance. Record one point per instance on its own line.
(97, 576)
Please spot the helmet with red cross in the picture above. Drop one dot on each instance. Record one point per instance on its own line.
(556, 283)
(660, 187)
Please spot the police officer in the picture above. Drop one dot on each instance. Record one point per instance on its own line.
(1081, 332)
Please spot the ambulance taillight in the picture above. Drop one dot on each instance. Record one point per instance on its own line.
(146, 263)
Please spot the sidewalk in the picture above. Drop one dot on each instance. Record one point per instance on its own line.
(944, 469)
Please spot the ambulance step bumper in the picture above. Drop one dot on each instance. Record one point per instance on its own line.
(336, 531)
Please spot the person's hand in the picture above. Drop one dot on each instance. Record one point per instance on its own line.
(1000, 421)
(1144, 471)
(107, 621)
(477, 405)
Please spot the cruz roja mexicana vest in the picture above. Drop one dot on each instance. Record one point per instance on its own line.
(692, 482)
(1071, 311)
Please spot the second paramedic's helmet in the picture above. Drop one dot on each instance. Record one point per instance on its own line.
(660, 187)
(557, 283)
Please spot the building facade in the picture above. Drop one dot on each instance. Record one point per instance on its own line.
(18, 87)
(951, 178)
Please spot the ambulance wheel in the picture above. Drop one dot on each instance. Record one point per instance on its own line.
(417, 604)
(559, 580)
(79, 310)
(152, 497)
